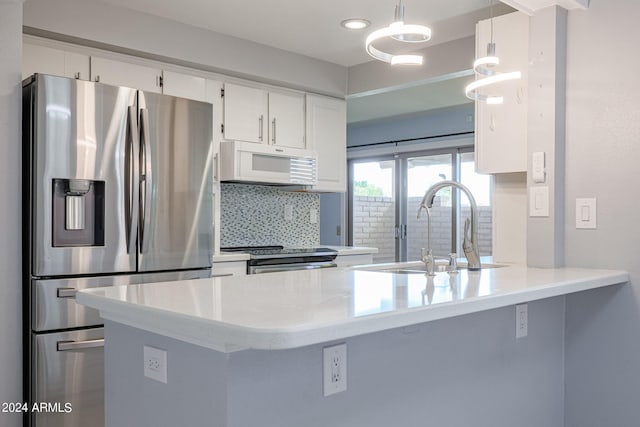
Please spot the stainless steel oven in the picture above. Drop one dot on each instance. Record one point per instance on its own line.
(271, 259)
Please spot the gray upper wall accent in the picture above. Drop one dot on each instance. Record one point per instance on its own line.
(427, 124)
(93, 23)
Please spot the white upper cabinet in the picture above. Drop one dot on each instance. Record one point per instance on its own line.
(286, 119)
(47, 60)
(501, 129)
(245, 113)
(262, 116)
(184, 86)
(327, 135)
(119, 73)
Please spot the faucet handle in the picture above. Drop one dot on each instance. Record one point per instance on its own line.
(453, 263)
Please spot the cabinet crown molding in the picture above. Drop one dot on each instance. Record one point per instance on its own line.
(531, 6)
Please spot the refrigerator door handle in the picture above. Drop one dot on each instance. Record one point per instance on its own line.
(147, 178)
(131, 179)
(79, 345)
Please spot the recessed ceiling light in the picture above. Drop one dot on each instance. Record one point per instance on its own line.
(355, 23)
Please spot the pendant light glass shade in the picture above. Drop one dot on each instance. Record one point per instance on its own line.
(399, 31)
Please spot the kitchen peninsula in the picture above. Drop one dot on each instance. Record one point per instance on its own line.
(244, 351)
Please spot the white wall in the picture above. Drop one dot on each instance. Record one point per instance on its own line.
(602, 161)
(10, 208)
(102, 25)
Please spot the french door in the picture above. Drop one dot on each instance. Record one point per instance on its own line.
(385, 192)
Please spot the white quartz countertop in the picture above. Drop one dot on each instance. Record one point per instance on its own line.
(298, 308)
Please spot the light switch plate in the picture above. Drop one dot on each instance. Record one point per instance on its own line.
(539, 201)
(586, 213)
(538, 167)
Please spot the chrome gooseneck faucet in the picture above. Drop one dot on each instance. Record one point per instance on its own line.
(470, 241)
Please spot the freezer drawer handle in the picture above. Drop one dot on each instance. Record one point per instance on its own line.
(67, 292)
(79, 345)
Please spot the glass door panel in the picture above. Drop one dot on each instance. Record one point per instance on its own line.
(481, 187)
(374, 208)
(422, 172)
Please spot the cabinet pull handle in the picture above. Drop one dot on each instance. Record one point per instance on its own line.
(77, 75)
(97, 79)
(79, 345)
(67, 292)
(273, 125)
(260, 124)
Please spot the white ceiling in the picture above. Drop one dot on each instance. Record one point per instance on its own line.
(308, 27)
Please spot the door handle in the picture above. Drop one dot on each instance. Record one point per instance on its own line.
(132, 183)
(147, 177)
(79, 345)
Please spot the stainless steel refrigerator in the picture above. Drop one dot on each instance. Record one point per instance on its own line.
(117, 187)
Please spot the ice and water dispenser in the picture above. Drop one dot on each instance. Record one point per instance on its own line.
(78, 212)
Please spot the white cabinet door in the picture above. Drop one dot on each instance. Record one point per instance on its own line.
(119, 73)
(245, 113)
(286, 119)
(327, 135)
(229, 268)
(184, 85)
(212, 95)
(501, 130)
(47, 60)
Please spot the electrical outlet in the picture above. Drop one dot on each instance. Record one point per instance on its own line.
(155, 363)
(288, 212)
(521, 321)
(335, 369)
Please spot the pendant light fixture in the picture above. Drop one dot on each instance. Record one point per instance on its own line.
(399, 31)
(483, 67)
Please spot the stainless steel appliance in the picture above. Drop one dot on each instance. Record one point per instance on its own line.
(270, 259)
(117, 190)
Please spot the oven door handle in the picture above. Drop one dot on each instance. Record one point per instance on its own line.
(79, 345)
(290, 267)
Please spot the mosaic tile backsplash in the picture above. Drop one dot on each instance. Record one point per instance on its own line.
(253, 215)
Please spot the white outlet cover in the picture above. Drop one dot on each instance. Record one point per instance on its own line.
(313, 216)
(334, 370)
(155, 363)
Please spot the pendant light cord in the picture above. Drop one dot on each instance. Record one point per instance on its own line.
(491, 12)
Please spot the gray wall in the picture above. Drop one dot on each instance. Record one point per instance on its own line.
(128, 30)
(469, 370)
(10, 209)
(430, 123)
(602, 157)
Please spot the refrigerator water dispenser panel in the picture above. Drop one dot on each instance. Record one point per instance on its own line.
(78, 213)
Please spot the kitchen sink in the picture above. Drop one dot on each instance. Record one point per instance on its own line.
(416, 267)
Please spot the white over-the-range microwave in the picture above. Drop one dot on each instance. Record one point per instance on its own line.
(270, 164)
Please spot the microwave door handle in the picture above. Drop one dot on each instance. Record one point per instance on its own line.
(131, 186)
(147, 177)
